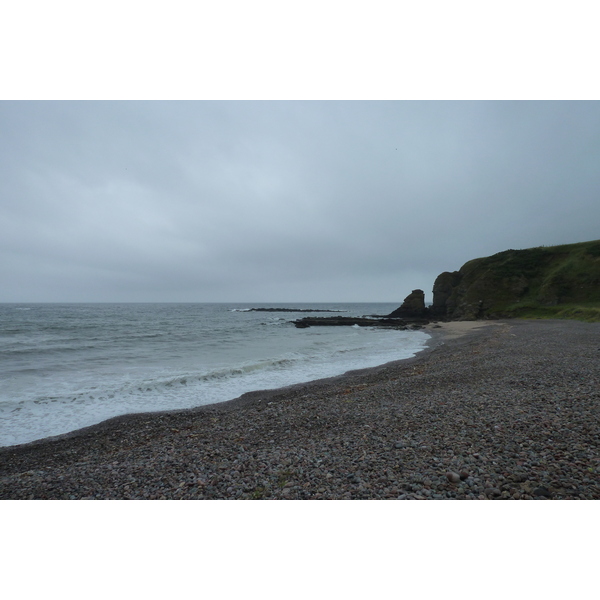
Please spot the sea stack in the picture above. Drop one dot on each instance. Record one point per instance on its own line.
(413, 306)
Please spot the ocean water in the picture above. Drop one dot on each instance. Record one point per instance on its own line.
(67, 366)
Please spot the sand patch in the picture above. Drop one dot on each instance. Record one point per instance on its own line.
(456, 329)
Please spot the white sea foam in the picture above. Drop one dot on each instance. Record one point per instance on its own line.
(164, 357)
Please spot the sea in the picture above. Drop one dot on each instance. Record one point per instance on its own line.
(68, 366)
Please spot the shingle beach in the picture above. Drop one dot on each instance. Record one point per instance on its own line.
(508, 410)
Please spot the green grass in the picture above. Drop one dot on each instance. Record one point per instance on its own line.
(588, 312)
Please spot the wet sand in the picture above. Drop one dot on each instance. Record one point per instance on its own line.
(492, 409)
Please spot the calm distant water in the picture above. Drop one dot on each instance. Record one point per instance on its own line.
(66, 366)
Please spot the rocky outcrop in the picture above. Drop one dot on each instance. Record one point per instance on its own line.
(413, 307)
(412, 314)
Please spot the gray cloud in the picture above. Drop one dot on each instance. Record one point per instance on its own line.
(282, 201)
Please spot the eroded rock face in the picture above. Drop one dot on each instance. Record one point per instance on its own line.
(464, 295)
(412, 307)
(442, 291)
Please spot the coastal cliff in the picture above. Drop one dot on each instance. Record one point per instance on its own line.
(561, 281)
(555, 282)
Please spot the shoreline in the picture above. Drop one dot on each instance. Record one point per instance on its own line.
(232, 403)
(438, 333)
(392, 431)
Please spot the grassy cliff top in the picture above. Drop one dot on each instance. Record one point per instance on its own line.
(547, 281)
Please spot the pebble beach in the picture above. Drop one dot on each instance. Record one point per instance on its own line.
(491, 410)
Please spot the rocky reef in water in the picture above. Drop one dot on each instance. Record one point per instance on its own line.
(301, 310)
(411, 315)
(360, 321)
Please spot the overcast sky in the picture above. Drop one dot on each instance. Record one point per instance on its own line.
(282, 201)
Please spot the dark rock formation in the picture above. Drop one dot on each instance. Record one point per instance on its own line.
(337, 321)
(442, 291)
(302, 310)
(413, 307)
